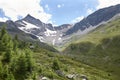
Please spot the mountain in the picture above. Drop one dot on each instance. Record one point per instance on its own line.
(60, 35)
(94, 19)
(20, 62)
(45, 32)
(13, 30)
(99, 48)
(93, 55)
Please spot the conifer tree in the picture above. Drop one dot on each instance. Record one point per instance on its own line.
(3, 32)
(5, 41)
(56, 65)
(29, 60)
(16, 42)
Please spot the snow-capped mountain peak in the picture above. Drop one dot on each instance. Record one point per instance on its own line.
(63, 33)
(45, 32)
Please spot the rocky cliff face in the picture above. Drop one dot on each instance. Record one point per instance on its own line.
(45, 32)
(95, 19)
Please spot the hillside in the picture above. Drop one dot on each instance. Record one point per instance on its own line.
(99, 48)
(13, 30)
(20, 61)
(88, 49)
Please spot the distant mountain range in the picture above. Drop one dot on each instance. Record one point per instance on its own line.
(34, 29)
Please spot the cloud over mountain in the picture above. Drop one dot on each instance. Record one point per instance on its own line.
(16, 8)
(106, 3)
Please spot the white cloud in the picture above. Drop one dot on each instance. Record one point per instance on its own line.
(3, 19)
(60, 5)
(15, 8)
(89, 11)
(77, 19)
(47, 7)
(106, 3)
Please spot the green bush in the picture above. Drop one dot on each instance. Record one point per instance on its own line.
(56, 65)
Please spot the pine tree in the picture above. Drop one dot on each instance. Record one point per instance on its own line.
(56, 65)
(1, 70)
(14, 66)
(10, 76)
(29, 60)
(7, 56)
(16, 42)
(5, 41)
(3, 32)
(22, 65)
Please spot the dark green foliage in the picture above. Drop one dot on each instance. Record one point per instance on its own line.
(16, 42)
(16, 62)
(1, 71)
(56, 65)
(7, 56)
(29, 61)
(5, 41)
(21, 65)
(3, 32)
(10, 76)
(80, 48)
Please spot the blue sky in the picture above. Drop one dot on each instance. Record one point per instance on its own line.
(56, 12)
(65, 11)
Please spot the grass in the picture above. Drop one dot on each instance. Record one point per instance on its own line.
(99, 48)
(68, 65)
(104, 31)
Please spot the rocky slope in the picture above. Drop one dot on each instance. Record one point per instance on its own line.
(94, 19)
(45, 32)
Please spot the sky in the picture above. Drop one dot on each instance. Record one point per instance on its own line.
(56, 12)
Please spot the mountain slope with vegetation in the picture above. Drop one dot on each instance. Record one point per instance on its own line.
(99, 48)
(13, 30)
(20, 61)
(26, 52)
(96, 18)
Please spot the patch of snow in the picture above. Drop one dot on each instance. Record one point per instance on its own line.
(53, 35)
(60, 35)
(59, 38)
(41, 38)
(50, 32)
(28, 26)
(53, 41)
(22, 28)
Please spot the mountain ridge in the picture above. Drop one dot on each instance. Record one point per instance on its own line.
(59, 35)
(95, 18)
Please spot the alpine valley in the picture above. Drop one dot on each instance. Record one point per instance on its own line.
(86, 50)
